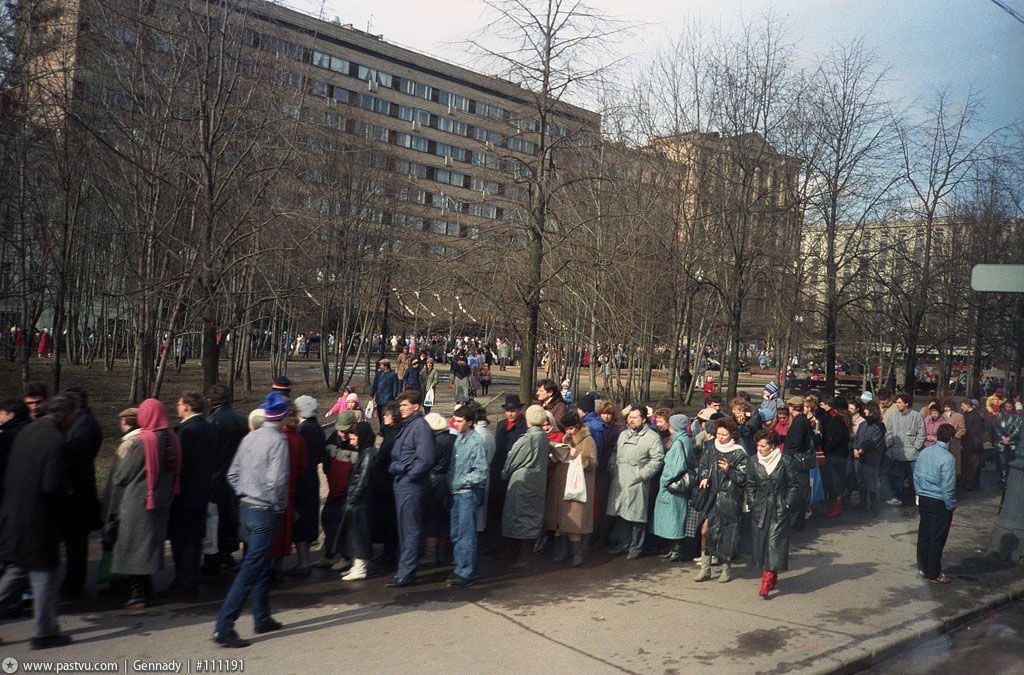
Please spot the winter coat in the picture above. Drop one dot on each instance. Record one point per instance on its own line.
(141, 532)
(354, 533)
(411, 379)
(438, 500)
(84, 440)
(525, 470)
(670, 509)
(429, 378)
(383, 523)
(1012, 426)
(956, 446)
(748, 428)
(414, 453)
(35, 489)
(9, 430)
(772, 499)
(572, 517)
(638, 456)
(504, 439)
(198, 440)
(385, 387)
(799, 439)
(871, 439)
(231, 428)
(307, 487)
(835, 435)
(723, 510)
(974, 438)
(904, 435)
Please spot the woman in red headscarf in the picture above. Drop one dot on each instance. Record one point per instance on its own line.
(149, 475)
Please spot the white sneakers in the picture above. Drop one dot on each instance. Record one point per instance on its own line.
(357, 572)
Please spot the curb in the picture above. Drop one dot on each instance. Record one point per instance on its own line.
(856, 659)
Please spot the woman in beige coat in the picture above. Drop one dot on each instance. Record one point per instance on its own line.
(569, 517)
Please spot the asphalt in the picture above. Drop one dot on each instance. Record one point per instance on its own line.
(851, 599)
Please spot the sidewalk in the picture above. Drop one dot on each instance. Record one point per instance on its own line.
(852, 593)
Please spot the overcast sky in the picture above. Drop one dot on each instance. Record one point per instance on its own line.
(926, 43)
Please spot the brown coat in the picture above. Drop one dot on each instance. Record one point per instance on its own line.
(565, 517)
(956, 447)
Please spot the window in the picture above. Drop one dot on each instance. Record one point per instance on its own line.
(341, 95)
(318, 88)
(488, 110)
(373, 75)
(453, 151)
(520, 144)
(405, 193)
(366, 102)
(483, 210)
(416, 89)
(450, 125)
(375, 133)
(413, 142)
(445, 227)
(486, 136)
(489, 187)
(339, 65)
(411, 169)
(406, 113)
(423, 117)
(382, 106)
(321, 60)
(453, 101)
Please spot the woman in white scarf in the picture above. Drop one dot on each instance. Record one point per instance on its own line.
(773, 493)
(723, 474)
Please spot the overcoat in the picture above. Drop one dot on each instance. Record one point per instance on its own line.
(572, 517)
(723, 509)
(772, 499)
(141, 532)
(199, 440)
(526, 472)
(670, 509)
(638, 456)
(35, 494)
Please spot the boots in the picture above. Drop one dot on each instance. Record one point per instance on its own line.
(429, 557)
(141, 591)
(774, 580)
(675, 554)
(872, 501)
(705, 568)
(577, 553)
(559, 549)
(725, 576)
(766, 584)
(835, 508)
(525, 546)
(357, 572)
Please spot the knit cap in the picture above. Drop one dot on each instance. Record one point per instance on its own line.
(275, 407)
(772, 388)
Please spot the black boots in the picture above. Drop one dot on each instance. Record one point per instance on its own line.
(577, 553)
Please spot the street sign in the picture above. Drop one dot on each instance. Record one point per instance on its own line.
(998, 278)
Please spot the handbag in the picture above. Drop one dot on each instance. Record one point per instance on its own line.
(575, 483)
(699, 499)
(682, 484)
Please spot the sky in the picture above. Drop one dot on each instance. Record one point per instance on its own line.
(926, 44)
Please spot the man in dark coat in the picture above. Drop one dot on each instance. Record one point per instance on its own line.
(385, 389)
(508, 431)
(307, 486)
(800, 446)
(411, 461)
(36, 488)
(82, 515)
(187, 525)
(231, 428)
(13, 418)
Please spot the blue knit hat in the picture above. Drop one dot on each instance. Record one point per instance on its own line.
(772, 388)
(275, 407)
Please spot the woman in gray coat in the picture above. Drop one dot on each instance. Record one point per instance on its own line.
(526, 472)
(773, 493)
(148, 474)
(639, 455)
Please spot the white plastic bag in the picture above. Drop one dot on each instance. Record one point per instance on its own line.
(575, 483)
(370, 408)
(428, 400)
(212, 523)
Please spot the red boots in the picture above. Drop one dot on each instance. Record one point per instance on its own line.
(768, 580)
(835, 508)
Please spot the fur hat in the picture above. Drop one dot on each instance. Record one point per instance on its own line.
(536, 416)
(436, 421)
(306, 407)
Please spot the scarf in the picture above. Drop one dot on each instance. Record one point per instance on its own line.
(153, 418)
(770, 461)
(731, 446)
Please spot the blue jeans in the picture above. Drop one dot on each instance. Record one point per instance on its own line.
(463, 529)
(253, 578)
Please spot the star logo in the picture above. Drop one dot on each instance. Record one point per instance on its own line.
(10, 665)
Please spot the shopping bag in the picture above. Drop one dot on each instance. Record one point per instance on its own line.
(817, 487)
(428, 400)
(575, 483)
(212, 523)
(370, 408)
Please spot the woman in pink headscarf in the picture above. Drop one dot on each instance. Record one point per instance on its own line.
(149, 475)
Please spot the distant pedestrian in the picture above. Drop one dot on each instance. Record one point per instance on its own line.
(386, 387)
(935, 485)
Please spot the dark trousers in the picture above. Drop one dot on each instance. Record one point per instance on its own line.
(931, 535)
(253, 578)
(45, 596)
(804, 496)
(331, 517)
(187, 552)
(631, 536)
(409, 511)
(76, 548)
(901, 474)
(834, 475)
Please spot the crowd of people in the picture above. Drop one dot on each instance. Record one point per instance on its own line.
(563, 474)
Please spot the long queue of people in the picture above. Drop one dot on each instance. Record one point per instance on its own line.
(425, 490)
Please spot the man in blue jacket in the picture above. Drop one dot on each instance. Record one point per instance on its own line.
(411, 460)
(935, 484)
(385, 389)
(467, 476)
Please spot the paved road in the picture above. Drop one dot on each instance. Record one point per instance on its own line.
(852, 590)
